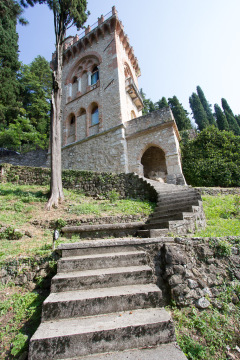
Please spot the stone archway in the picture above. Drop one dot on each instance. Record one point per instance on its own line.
(154, 163)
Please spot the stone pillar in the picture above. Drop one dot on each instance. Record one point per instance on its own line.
(70, 90)
(89, 74)
(100, 20)
(79, 86)
(87, 30)
(114, 11)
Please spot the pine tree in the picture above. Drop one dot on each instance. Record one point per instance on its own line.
(162, 103)
(206, 106)
(222, 122)
(180, 114)
(199, 113)
(149, 106)
(10, 12)
(237, 117)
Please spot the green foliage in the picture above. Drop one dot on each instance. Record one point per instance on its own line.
(10, 234)
(148, 104)
(206, 106)
(21, 135)
(180, 114)
(212, 159)
(36, 86)
(199, 113)
(10, 11)
(222, 216)
(222, 122)
(205, 334)
(113, 196)
(162, 103)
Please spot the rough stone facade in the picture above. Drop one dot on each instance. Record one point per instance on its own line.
(102, 124)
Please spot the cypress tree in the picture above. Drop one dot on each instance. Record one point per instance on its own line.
(10, 12)
(199, 113)
(180, 114)
(162, 103)
(206, 106)
(226, 107)
(222, 122)
(233, 125)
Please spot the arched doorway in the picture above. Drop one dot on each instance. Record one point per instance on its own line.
(154, 163)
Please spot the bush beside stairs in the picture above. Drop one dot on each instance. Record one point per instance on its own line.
(104, 305)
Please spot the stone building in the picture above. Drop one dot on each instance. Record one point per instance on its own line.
(102, 124)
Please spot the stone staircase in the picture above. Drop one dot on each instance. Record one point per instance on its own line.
(104, 305)
(179, 211)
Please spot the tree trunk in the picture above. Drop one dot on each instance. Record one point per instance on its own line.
(56, 189)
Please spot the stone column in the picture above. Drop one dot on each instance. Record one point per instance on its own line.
(89, 74)
(79, 81)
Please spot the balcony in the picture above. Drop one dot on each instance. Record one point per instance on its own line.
(134, 93)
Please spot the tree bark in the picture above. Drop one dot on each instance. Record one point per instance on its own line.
(56, 189)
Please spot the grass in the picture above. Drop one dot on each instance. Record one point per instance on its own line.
(210, 334)
(222, 214)
(20, 313)
(20, 205)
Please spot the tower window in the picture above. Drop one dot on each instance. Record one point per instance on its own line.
(95, 75)
(95, 116)
(72, 120)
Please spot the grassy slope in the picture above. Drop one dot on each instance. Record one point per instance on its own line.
(201, 334)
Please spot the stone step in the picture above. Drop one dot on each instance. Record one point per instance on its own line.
(90, 279)
(176, 204)
(97, 301)
(97, 334)
(154, 233)
(169, 351)
(167, 217)
(176, 192)
(101, 261)
(103, 246)
(158, 225)
(177, 197)
(173, 211)
(103, 230)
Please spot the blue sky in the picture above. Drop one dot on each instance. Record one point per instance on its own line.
(179, 44)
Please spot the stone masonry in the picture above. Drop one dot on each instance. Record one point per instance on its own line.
(102, 124)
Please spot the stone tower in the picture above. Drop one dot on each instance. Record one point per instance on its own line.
(102, 124)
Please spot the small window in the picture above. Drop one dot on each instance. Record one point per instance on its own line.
(95, 116)
(72, 120)
(95, 75)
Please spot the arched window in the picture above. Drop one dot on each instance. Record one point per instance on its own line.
(94, 116)
(95, 75)
(72, 120)
(133, 115)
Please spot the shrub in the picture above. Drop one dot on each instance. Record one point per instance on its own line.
(212, 159)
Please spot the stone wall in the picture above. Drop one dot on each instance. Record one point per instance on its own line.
(32, 158)
(215, 191)
(91, 183)
(193, 271)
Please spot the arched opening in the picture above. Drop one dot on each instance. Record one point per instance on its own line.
(95, 75)
(94, 116)
(154, 164)
(71, 129)
(133, 115)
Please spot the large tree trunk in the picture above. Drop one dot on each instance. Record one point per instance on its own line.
(56, 190)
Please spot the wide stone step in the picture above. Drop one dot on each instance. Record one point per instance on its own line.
(154, 233)
(166, 217)
(100, 261)
(177, 198)
(158, 214)
(176, 204)
(97, 301)
(103, 230)
(162, 193)
(162, 352)
(97, 334)
(90, 279)
(158, 225)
